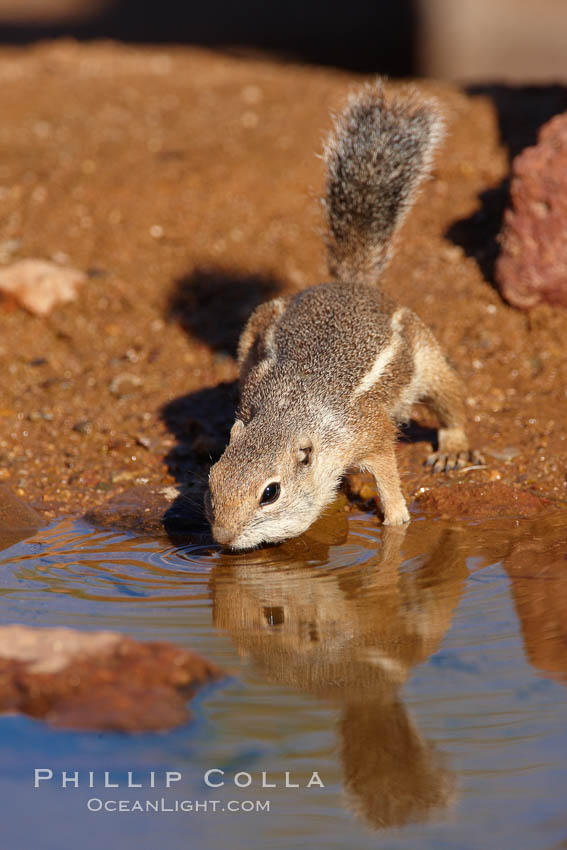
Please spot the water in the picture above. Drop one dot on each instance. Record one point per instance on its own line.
(421, 674)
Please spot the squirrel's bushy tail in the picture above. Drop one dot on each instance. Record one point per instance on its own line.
(377, 155)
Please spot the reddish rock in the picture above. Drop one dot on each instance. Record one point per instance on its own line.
(98, 680)
(492, 499)
(156, 511)
(532, 267)
(140, 509)
(17, 520)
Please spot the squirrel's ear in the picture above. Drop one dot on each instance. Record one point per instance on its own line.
(305, 453)
(237, 429)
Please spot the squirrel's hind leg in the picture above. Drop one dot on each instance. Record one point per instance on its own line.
(442, 391)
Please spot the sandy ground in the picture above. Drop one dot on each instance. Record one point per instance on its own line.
(185, 183)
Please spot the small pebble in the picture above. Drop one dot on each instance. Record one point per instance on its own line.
(83, 427)
(504, 454)
(252, 94)
(124, 384)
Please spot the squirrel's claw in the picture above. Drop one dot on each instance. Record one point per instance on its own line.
(447, 461)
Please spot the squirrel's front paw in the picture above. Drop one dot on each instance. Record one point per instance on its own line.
(397, 516)
(446, 461)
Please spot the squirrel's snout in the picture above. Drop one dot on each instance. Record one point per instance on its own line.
(221, 535)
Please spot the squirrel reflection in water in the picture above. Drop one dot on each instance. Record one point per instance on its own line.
(352, 636)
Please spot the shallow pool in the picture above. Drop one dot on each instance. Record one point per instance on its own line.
(416, 678)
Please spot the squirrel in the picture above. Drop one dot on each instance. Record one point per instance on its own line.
(327, 375)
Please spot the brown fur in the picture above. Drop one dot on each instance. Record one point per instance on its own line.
(377, 156)
(325, 376)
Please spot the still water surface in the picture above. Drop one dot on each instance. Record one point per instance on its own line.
(421, 673)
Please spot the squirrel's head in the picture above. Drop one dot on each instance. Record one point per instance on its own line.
(271, 483)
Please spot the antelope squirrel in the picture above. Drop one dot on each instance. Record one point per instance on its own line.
(327, 374)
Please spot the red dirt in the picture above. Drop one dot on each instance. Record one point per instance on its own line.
(184, 183)
(480, 500)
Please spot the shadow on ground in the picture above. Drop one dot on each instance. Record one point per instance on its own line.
(200, 422)
(522, 111)
(213, 304)
(414, 432)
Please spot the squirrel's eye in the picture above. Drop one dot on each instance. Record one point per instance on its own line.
(270, 494)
